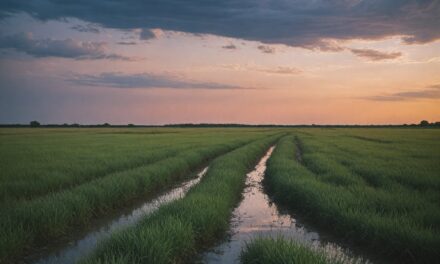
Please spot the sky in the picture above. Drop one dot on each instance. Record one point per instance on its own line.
(210, 61)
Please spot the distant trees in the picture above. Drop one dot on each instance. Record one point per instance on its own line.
(37, 124)
(34, 123)
(424, 123)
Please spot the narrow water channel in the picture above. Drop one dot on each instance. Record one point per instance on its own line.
(257, 216)
(78, 248)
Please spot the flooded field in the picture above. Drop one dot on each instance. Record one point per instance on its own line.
(257, 216)
(271, 195)
(77, 249)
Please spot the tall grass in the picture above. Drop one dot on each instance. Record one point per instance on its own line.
(38, 162)
(32, 222)
(377, 188)
(383, 213)
(176, 231)
(279, 250)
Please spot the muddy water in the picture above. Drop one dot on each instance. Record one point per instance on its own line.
(256, 216)
(84, 245)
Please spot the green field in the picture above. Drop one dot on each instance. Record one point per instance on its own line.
(377, 189)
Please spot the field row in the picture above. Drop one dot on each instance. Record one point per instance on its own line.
(377, 190)
(38, 163)
(379, 193)
(177, 231)
(25, 223)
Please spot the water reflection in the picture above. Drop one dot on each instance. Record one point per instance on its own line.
(257, 216)
(83, 246)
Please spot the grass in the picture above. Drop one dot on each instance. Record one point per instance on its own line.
(36, 162)
(25, 223)
(281, 251)
(376, 188)
(176, 231)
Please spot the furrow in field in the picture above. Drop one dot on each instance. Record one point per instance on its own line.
(81, 245)
(48, 162)
(392, 224)
(52, 216)
(13, 191)
(368, 139)
(177, 230)
(298, 150)
(347, 164)
(258, 216)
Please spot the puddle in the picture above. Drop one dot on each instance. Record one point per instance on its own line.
(79, 248)
(257, 216)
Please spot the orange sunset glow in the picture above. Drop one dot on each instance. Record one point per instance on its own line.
(253, 62)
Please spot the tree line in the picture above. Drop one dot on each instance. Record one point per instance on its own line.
(35, 123)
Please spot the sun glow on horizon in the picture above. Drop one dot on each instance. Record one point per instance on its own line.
(75, 70)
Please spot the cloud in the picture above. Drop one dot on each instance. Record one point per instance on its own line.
(301, 23)
(375, 55)
(67, 48)
(430, 92)
(146, 81)
(147, 34)
(152, 33)
(230, 46)
(324, 45)
(90, 28)
(281, 70)
(266, 49)
(127, 43)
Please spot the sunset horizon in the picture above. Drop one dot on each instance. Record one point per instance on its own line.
(253, 62)
(220, 131)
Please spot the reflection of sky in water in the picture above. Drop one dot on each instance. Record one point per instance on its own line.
(257, 216)
(81, 247)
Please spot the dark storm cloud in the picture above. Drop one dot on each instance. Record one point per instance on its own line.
(375, 55)
(430, 92)
(301, 23)
(67, 48)
(144, 80)
(147, 34)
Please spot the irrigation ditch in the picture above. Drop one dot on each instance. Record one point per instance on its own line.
(80, 245)
(258, 216)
